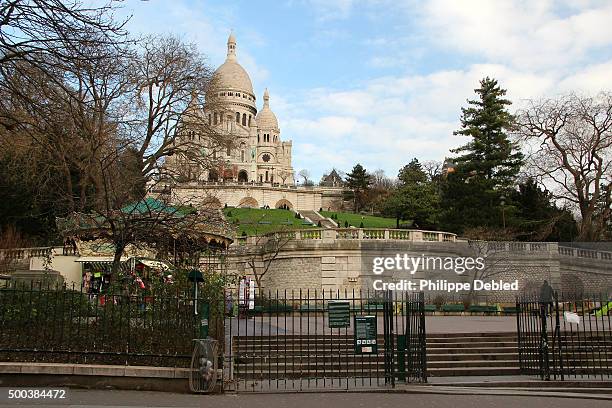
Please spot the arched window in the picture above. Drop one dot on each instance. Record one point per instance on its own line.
(242, 156)
(244, 119)
(229, 151)
(220, 118)
(209, 119)
(238, 117)
(258, 138)
(243, 176)
(216, 118)
(249, 120)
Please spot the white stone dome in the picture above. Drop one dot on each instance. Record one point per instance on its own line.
(266, 119)
(230, 75)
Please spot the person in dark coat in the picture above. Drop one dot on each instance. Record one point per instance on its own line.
(546, 297)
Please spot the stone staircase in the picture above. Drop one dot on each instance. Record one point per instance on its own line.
(472, 354)
(315, 217)
(301, 356)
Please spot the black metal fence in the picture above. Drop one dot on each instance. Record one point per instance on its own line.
(59, 324)
(568, 337)
(301, 340)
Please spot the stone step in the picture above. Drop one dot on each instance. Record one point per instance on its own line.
(472, 363)
(472, 371)
(469, 339)
(433, 346)
(482, 356)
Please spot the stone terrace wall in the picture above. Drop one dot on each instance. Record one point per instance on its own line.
(341, 260)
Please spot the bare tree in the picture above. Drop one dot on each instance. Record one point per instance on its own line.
(380, 180)
(496, 260)
(284, 175)
(35, 30)
(51, 37)
(570, 143)
(264, 251)
(169, 79)
(433, 168)
(305, 174)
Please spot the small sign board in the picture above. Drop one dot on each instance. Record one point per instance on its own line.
(366, 335)
(338, 314)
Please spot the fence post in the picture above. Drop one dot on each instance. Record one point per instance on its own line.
(559, 338)
(544, 358)
(518, 331)
(423, 337)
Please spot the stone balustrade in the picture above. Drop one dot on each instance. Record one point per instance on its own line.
(585, 253)
(362, 234)
(24, 253)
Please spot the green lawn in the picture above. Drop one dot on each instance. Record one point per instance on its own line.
(257, 221)
(355, 220)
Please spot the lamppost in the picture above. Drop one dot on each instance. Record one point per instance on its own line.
(502, 201)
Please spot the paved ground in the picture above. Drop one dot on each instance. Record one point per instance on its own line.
(85, 398)
(281, 325)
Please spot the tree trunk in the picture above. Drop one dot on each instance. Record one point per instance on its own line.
(119, 248)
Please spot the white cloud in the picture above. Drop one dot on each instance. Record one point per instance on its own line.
(387, 121)
(534, 48)
(525, 34)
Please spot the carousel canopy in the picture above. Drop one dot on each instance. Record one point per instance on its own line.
(150, 221)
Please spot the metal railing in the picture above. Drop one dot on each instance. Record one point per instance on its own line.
(316, 340)
(568, 337)
(59, 324)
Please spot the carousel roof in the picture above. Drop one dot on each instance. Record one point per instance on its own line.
(181, 223)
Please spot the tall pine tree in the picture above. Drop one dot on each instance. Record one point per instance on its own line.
(487, 166)
(490, 153)
(358, 180)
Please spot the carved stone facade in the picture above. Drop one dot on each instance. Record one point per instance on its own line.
(256, 170)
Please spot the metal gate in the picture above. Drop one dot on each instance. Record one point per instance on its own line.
(311, 340)
(568, 337)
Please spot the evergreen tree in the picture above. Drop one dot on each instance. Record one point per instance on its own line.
(412, 173)
(358, 180)
(416, 198)
(538, 218)
(490, 153)
(487, 165)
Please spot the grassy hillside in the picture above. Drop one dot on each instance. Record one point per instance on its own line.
(355, 220)
(254, 221)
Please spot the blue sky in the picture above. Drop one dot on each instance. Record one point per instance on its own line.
(379, 82)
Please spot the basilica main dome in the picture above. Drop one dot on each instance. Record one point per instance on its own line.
(231, 76)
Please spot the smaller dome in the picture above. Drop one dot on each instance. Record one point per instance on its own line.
(266, 119)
